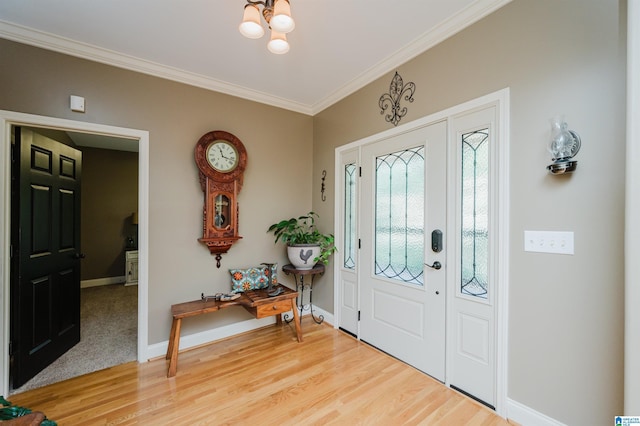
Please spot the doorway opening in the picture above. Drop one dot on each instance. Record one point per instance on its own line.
(8, 120)
(103, 293)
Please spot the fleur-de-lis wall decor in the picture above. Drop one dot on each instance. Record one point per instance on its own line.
(397, 90)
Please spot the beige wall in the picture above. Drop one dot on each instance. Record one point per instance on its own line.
(276, 182)
(565, 312)
(109, 197)
(557, 56)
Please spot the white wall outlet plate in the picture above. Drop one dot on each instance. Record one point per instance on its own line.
(548, 242)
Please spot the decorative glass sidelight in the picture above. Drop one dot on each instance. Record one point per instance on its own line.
(475, 214)
(399, 215)
(350, 202)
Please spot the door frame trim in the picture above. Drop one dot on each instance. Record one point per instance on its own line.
(501, 99)
(8, 119)
(632, 208)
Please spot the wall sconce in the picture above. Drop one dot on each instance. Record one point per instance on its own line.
(563, 146)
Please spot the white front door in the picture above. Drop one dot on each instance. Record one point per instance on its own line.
(403, 201)
(448, 172)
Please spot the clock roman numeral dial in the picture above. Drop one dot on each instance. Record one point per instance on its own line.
(222, 156)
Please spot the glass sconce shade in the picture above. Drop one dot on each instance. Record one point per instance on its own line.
(250, 26)
(563, 146)
(281, 20)
(278, 43)
(564, 143)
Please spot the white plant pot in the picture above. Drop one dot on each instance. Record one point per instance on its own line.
(301, 255)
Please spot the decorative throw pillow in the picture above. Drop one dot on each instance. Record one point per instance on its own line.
(253, 278)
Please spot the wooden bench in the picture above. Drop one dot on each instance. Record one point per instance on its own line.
(256, 302)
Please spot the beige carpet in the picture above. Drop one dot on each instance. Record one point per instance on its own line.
(108, 335)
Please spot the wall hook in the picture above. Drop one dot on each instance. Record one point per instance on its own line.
(324, 175)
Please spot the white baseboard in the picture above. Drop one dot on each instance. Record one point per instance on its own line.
(526, 416)
(102, 281)
(328, 317)
(209, 336)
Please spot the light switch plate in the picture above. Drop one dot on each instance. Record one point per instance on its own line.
(549, 242)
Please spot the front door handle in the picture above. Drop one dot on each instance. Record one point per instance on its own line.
(436, 265)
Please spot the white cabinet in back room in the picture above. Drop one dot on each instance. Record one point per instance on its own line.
(131, 267)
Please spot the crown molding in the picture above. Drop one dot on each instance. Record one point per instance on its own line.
(30, 36)
(444, 30)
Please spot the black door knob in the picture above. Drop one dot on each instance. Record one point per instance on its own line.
(436, 265)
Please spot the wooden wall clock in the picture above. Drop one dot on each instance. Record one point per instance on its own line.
(221, 158)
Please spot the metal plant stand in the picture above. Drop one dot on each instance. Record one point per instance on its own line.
(299, 276)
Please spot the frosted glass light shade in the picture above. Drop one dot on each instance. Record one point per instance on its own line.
(561, 145)
(278, 43)
(250, 26)
(281, 20)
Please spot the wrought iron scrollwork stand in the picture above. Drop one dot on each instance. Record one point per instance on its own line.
(301, 285)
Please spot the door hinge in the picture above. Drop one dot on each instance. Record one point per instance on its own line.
(359, 171)
(358, 315)
(359, 243)
(10, 348)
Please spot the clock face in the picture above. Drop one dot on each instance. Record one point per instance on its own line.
(222, 156)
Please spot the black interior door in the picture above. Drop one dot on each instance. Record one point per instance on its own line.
(45, 284)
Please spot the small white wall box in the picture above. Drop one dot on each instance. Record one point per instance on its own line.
(77, 103)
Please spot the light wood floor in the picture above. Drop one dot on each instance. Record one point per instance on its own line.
(262, 378)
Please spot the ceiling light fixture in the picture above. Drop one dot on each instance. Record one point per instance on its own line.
(277, 13)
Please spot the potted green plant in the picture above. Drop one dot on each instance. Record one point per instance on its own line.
(306, 246)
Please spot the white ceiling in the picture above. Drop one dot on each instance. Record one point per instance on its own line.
(337, 47)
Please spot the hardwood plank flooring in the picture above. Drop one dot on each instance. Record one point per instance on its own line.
(264, 377)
